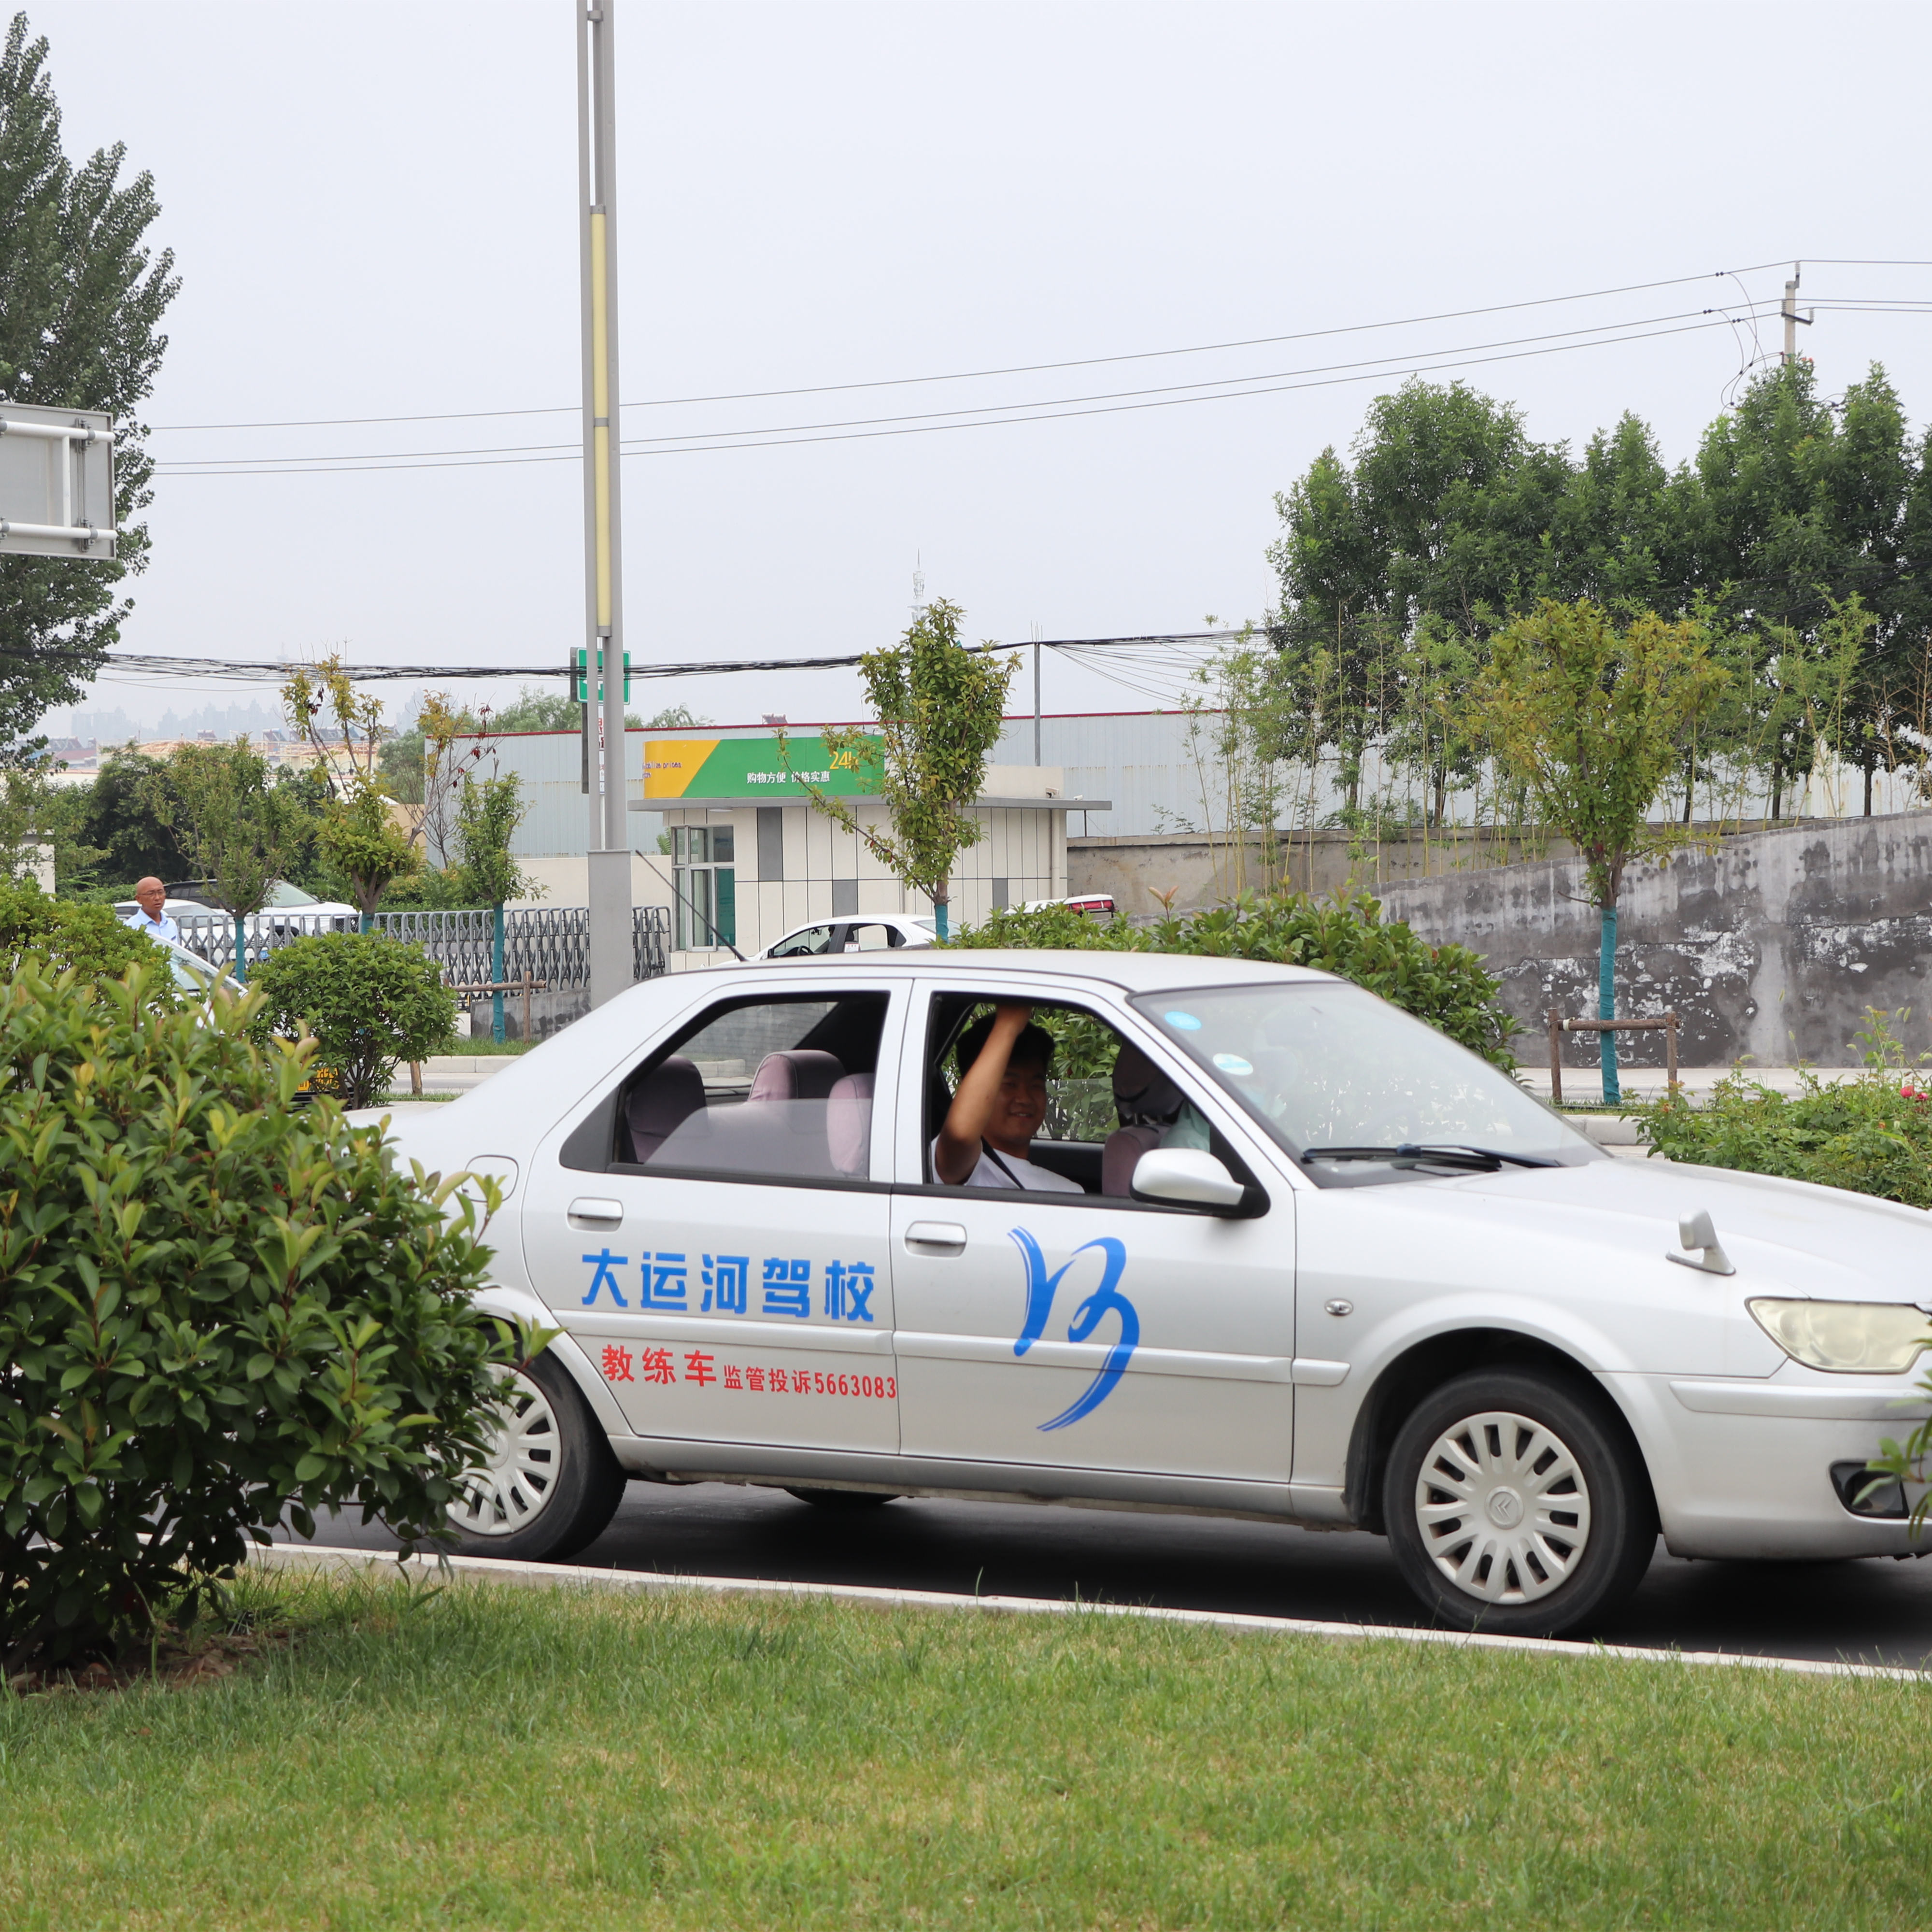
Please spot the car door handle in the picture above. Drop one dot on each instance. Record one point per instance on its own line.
(598, 1213)
(948, 1237)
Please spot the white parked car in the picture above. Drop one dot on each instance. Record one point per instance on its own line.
(868, 932)
(1373, 1285)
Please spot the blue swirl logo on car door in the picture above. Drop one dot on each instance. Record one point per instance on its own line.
(1106, 1299)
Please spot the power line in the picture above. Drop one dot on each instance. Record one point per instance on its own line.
(240, 465)
(1015, 369)
(1391, 366)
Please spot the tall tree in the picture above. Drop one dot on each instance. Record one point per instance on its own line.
(939, 707)
(1591, 718)
(488, 811)
(237, 824)
(1805, 507)
(81, 298)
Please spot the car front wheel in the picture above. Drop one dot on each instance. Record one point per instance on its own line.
(1515, 1506)
(550, 1483)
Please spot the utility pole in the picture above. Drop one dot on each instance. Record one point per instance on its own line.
(609, 849)
(1036, 758)
(1792, 317)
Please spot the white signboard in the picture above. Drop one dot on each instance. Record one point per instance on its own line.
(56, 482)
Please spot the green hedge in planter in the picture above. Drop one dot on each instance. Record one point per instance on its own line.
(214, 1306)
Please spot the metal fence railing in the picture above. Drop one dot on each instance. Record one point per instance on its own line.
(550, 943)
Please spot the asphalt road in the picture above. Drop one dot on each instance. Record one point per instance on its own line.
(1870, 1611)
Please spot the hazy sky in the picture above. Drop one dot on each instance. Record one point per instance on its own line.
(373, 211)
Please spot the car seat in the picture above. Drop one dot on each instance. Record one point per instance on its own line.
(848, 1123)
(660, 1103)
(1147, 1103)
(799, 1073)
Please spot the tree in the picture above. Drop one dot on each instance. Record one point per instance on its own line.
(488, 811)
(369, 1000)
(534, 710)
(358, 837)
(237, 826)
(1807, 505)
(1592, 720)
(939, 707)
(81, 297)
(120, 821)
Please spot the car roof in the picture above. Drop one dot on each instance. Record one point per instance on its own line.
(1132, 972)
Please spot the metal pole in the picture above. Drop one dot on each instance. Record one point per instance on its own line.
(1555, 1059)
(1036, 758)
(608, 859)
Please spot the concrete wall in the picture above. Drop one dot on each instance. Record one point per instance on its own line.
(1770, 943)
(1202, 872)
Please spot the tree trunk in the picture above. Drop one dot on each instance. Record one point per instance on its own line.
(241, 951)
(1689, 785)
(1607, 1003)
(1868, 787)
(496, 974)
(940, 901)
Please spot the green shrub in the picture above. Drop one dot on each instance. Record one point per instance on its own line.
(213, 1307)
(369, 1001)
(1444, 985)
(1872, 1135)
(90, 939)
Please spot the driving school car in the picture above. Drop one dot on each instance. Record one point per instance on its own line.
(1326, 1267)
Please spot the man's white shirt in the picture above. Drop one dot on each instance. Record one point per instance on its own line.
(163, 928)
(1016, 1173)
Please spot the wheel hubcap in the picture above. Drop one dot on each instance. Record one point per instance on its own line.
(510, 1488)
(1503, 1508)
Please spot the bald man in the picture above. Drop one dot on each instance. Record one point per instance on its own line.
(152, 896)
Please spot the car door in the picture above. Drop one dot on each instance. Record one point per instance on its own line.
(1085, 1332)
(708, 1227)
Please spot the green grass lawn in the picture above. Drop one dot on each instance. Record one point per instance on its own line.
(507, 1758)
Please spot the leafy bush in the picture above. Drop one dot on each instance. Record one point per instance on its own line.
(1444, 985)
(88, 939)
(1872, 1135)
(369, 1001)
(213, 1307)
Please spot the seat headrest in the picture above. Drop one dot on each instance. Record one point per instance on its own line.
(1143, 1096)
(801, 1073)
(661, 1103)
(848, 1123)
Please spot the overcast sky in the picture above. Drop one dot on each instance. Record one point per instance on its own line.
(373, 212)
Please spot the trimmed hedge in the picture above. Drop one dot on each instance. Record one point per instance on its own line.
(1446, 986)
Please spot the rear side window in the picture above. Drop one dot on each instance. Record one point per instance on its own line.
(780, 1089)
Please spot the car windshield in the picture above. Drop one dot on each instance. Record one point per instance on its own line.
(1356, 1090)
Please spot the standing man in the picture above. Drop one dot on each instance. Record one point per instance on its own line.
(152, 896)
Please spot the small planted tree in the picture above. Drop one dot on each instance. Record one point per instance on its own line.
(1592, 720)
(488, 811)
(215, 1309)
(939, 707)
(236, 825)
(369, 1001)
(359, 837)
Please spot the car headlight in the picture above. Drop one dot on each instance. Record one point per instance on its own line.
(1867, 1338)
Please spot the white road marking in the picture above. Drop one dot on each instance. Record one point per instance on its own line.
(495, 1569)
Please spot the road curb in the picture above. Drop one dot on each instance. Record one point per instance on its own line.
(559, 1576)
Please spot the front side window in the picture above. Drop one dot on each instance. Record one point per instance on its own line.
(1101, 1102)
(704, 882)
(805, 945)
(1357, 1090)
(780, 1088)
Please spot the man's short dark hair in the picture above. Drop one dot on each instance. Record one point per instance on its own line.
(1033, 1048)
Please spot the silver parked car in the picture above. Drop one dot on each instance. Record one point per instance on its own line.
(1302, 1259)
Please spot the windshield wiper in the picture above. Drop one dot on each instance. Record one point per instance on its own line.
(1435, 1154)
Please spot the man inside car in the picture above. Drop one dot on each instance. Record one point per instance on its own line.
(989, 1132)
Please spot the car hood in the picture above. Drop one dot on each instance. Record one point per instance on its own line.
(1820, 1241)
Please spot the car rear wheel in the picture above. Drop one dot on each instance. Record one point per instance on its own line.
(550, 1483)
(1515, 1506)
(842, 1499)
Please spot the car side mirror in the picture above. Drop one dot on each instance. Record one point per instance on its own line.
(1190, 1175)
